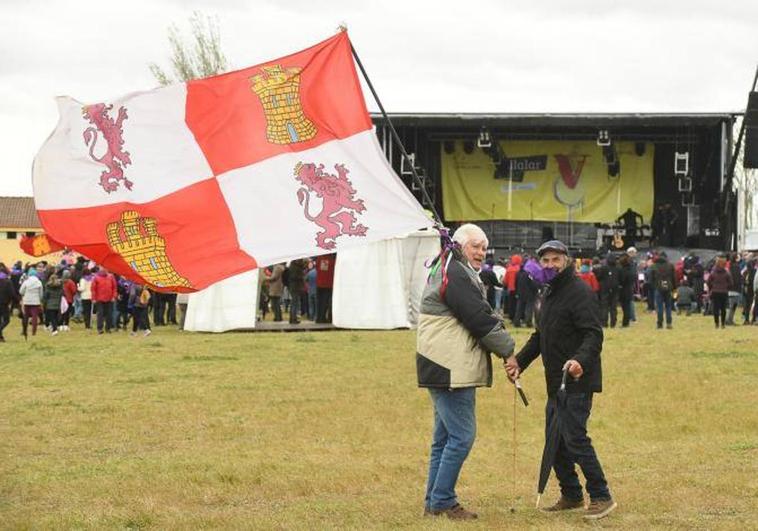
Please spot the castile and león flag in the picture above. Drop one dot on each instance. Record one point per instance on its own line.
(185, 185)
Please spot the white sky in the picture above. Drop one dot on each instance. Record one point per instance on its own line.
(422, 56)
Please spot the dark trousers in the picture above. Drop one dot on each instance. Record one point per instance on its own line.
(524, 310)
(140, 321)
(608, 307)
(718, 304)
(626, 310)
(295, 307)
(159, 309)
(104, 315)
(512, 303)
(66, 316)
(575, 448)
(746, 307)
(170, 300)
(87, 313)
(51, 318)
(276, 307)
(5, 318)
(323, 305)
(32, 313)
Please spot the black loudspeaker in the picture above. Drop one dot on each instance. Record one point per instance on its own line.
(547, 233)
(751, 132)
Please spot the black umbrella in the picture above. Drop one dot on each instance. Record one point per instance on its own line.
(552, 438)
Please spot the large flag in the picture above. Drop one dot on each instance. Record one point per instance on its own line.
(185, 185)
(39, 245)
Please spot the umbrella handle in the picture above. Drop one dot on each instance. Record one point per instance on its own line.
(521, 393)
(563, 379)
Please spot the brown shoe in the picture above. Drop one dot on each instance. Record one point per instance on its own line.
(564, 504)
(599, 509)
(456, 512)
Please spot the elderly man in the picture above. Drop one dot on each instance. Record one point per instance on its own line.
(569, 336)
(457, 331)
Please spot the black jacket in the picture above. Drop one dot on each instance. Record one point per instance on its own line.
(609, 276)
(568, 327)
(8, 293)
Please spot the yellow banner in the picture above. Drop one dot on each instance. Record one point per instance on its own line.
(552, 181)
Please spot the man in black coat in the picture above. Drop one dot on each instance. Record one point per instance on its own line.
(569, 336)
(609, 277)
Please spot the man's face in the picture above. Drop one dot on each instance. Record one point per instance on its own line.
(475, 251)
(554, 260)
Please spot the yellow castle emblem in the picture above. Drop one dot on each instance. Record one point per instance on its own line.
(279, 92)
(143, 249)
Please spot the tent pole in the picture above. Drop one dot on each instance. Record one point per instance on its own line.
(397, 140)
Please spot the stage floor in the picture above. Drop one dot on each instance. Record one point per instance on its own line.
(285, 326)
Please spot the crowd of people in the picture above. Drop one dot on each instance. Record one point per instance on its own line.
(724, 287)
(77, 290)
(302, 288)
(53, 296)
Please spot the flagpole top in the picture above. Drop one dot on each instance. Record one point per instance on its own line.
(342, 27)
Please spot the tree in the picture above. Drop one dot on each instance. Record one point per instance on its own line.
(198, 58)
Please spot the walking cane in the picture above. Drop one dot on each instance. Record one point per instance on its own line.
(513, 469)
(517, 389)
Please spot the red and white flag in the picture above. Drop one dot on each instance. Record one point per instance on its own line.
(185, 185)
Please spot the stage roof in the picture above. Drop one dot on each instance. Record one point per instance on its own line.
(668, 120)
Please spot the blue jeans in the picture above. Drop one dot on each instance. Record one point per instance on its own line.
(452, 439)
(312, 306)
(661, 300)
(575, 447)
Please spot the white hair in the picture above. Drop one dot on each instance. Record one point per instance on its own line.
(468, 232)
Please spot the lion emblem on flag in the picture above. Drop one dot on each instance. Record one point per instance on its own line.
(337, 216)
(115, 158)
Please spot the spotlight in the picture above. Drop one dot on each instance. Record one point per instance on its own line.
(603, 138)
(484, 140)
(681, 163)
(468, 147)
(639, 148)
(448, 146)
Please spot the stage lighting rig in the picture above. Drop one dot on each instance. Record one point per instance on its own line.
(485, 140)
(603, 138)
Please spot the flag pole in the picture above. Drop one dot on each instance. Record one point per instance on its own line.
(397, 140)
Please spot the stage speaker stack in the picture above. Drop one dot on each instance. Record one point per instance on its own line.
(751, 132)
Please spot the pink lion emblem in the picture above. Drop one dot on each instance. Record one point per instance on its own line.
(337, 193)
(115, 158)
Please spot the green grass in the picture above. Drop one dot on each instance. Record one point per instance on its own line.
(328, 430)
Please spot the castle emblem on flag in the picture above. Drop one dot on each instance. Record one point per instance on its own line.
(279, 92)
(136, 239)
(337, 217)
(115, 158)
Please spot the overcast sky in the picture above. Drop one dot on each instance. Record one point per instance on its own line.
(422, 56)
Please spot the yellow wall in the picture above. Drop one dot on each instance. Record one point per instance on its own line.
(10, 252)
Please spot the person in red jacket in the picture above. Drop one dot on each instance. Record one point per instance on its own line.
(719, 284)
(586, 274)
(69, 292)
(510, 283)
(104, 292)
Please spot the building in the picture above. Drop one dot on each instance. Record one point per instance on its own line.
(526, 177)
(18, 217)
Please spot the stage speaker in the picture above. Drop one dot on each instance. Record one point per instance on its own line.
(751, 132)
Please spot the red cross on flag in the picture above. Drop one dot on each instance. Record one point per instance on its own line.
(182, 186)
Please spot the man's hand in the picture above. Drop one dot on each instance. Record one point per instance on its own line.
(574, 369)
(512, 368)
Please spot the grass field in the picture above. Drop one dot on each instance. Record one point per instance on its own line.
(328, 430)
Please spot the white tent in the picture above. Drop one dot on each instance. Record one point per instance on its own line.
(227, 305)
(379, 285)
(376, 286)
